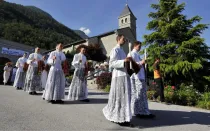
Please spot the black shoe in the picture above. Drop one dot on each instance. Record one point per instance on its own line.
(150, 116)
(43, 98)
(58, 102)
(30, 93)
(86, 100)
(51, 101)
(127, 124)
(34, 93)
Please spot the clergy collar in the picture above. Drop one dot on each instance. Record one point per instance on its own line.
(57, 50)
(118, 45)
(134, 50)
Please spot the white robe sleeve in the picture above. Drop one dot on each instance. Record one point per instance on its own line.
(63, 57)
(135, 58)
(114, 62)
(75, 61)
(50, 60)
(5, 68)
(30, 58)
(40, 57)
(139, 62)
(18, 63)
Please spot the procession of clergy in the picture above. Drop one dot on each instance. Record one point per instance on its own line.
(127, 95)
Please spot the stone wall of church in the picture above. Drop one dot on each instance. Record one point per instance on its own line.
(108, 42)
(68, 49)
(125, 22)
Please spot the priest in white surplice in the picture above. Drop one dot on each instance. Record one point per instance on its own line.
(20, 74)
(78, 87)
(7, 71)
(33, 78)
(55, 86)
(118, 109)
(44, 73)
(139, 104)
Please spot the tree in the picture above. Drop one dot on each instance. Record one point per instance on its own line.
(93, 52)
(176, 40)
(32, 26)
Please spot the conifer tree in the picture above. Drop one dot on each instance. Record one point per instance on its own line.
(177, 41)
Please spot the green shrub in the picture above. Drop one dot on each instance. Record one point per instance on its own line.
(184, 95)
(107, 88)
(150, 94)
(204, 101)
(169, 93)
(103, 80)
(187, 96)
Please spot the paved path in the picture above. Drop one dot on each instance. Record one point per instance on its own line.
(20, 111)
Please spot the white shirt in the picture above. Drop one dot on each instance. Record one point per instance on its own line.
(57, 63)
(76, 59)
(136, 57)
(7, 68)
(34, 56)
(116, 61)
(20, 63)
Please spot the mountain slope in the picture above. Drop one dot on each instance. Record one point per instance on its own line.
(81, 34)
(34, 8)
(32, 26)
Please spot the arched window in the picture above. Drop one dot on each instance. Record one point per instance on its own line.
(125, 20)
(122, 21)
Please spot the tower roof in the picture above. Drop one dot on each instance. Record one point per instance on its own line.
(126, 11)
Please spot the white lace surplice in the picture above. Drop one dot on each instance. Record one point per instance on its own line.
(6, 74)
(20, 74)
(139, 103)
(118, 107)
(78, 88)
(33, 80)
(44, 77)
(55, 86)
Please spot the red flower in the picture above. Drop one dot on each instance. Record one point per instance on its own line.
(173, 87)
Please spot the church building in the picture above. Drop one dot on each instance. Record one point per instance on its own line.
(107, 40)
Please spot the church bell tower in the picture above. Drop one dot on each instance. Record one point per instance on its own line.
(127, 19)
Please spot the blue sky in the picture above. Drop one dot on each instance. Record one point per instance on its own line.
(99, 16)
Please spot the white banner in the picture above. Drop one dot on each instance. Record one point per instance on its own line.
(15, 52)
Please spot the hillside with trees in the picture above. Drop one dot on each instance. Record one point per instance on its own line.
(32, 26)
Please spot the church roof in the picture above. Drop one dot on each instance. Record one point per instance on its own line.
(105, 34)
(116, 31)
(126, 11)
